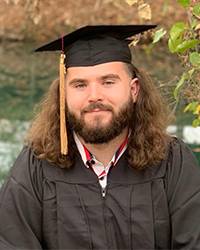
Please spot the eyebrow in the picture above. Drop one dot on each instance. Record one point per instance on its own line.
(105, 77)
(112, 76)
(75, 80)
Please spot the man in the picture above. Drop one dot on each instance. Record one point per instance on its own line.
(122, 182)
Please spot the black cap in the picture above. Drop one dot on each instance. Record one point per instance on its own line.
(92, 45)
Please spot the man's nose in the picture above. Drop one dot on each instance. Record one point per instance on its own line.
(95, 94)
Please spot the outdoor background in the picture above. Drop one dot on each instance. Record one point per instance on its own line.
(25, 76)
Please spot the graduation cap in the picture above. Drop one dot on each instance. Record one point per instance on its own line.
(89, 46)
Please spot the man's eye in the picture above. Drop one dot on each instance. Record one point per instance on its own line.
(80, 85)
(108, 82)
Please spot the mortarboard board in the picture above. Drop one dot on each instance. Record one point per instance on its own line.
(92, 45)
(89, 46)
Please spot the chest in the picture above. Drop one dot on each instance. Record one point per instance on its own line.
(129, 216)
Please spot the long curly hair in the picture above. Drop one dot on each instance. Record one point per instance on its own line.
(147, 143)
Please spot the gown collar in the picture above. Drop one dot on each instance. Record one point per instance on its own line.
(122, 173)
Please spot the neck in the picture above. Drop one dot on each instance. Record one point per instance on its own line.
(105, 151)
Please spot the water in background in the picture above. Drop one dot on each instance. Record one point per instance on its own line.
(25, 76)
(11, 143)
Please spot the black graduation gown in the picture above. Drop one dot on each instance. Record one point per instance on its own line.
(45, 207)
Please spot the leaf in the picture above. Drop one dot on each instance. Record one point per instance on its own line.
(190, 72)
(197, 110)
(175, 36)
(196, 122)
(191, 107)
(158, 35)
(185, 45)
(194, 58)
(197, 27)
(36, 19)
(194, 23)
(184, 3)
(135, 40)
(131, 2)
(177, 30)
(173, 44)
(196, 10)
(179, 85)
(144, 11)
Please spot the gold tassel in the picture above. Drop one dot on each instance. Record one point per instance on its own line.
(63, 129)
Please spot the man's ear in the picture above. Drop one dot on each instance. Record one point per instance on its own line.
(135, 87)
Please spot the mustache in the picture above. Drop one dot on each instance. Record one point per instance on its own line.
(100, 106)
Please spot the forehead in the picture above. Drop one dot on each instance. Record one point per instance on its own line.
(97, 70)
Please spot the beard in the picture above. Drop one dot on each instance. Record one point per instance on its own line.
(98, 133)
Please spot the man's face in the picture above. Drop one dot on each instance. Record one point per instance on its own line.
(100, 100)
